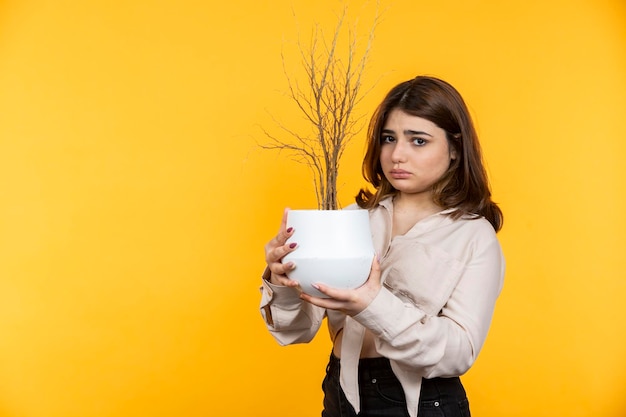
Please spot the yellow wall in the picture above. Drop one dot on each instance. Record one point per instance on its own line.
(134, 203)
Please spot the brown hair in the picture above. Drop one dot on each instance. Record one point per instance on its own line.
(464, 185)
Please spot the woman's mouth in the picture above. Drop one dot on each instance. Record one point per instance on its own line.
(399, 174)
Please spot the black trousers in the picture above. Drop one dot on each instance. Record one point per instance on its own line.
(382, 395)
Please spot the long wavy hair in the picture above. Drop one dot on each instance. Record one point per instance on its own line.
(464, 186)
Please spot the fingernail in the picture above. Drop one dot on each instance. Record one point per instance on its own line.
(289, 230)
(317, 287)
(293, 245)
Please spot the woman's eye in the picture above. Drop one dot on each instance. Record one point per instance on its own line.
(419, 141)
(387, 139)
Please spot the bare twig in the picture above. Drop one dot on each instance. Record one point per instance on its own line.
(327, 101)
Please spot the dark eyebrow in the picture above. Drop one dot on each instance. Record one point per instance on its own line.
(416, 132)
(408, 132)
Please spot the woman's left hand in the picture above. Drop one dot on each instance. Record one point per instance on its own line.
(350, 302)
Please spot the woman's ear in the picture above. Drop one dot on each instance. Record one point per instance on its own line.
(452, 147)
(452, 153)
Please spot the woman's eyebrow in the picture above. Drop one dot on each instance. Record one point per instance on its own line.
(416, 132)
(408, 132)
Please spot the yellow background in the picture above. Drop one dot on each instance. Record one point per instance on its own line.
(134, 201)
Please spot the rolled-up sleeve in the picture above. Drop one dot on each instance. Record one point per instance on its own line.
(287, 317)
(445, 344)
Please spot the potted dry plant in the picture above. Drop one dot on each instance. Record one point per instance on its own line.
(334, 246)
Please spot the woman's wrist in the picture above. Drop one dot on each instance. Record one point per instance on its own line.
(267, 276)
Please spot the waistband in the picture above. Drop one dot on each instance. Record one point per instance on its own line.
(370, 368)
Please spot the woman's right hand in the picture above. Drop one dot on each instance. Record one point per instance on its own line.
(275, 250)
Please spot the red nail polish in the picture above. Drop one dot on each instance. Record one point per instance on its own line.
(292, 245)
(289, 230)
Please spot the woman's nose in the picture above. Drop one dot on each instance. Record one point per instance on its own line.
(399, 154)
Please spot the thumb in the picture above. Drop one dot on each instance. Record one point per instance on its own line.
(376, 265)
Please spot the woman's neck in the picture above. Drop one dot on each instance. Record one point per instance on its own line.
(421, 203)
(408, 209)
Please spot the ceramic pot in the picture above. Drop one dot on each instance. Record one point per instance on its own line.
(334, 248)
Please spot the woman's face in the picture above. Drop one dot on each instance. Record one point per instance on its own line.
(414, 153)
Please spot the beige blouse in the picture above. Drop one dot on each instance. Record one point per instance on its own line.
(440, 284)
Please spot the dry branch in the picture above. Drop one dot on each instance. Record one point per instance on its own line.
(328, 100)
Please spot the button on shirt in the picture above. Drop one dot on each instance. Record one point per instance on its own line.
(430, 319)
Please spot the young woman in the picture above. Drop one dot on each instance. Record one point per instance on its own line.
(401, 341)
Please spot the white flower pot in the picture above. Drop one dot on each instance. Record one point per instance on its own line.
(334, 248)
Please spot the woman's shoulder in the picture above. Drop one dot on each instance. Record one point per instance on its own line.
(353, 206)
(469, 236)
(475, 226)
